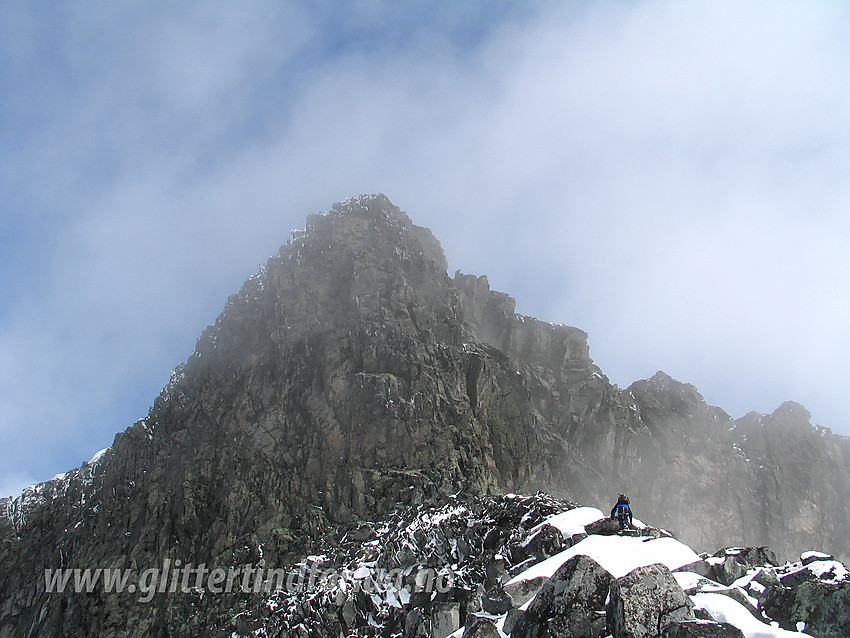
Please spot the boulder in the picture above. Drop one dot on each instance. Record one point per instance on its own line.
(511, 620)
(750, 556)
(416, 625)
(496, 601)
(493, 539)
(545, 542)
(645, 601)
(766, 578)
(737, 560)
(521, 567)
(570, 604)
(481, 628)
(473, 601)
(575, 539)
(445, 620)
(812, 557)
(495, 572)
(524, 590)
(816, 570)
(653, 532)
(701, 629)
(702, 614)
(348, 614)
(604, 526)
(824, 607)
(796, 578)
(726, 572)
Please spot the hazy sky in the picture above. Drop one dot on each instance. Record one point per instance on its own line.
(671, 177)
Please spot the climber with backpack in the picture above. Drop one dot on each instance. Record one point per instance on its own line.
(622, 512)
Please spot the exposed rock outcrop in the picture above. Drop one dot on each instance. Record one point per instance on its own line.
(814, 593)
(732, 563)
(644, 602)
(570, 604)
(604, 526)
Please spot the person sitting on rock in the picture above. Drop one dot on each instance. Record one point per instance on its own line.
(622, 512)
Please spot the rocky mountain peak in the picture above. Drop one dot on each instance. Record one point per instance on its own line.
(790, 418)
(351, 377)
(663, 382)
(384, 216)
(792, 414)
(375, 207)
(663, 397)
(363, 261)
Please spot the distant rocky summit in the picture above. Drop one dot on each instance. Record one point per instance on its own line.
(351, 385)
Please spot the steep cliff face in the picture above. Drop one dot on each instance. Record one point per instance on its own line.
(339, 382)
(762, 480)
(351, 375)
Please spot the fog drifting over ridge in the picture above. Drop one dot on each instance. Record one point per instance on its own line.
(669, 178)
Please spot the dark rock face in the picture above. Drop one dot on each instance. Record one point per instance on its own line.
(686, 465)
(570, 604)
(604, 527)
(496, 602)
(351, 376)
(524, 590)
(824, 607)
(737, 560)
(701, 629)
(546, 542)
(644, 602)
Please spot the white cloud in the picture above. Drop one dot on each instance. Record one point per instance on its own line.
(670, 178)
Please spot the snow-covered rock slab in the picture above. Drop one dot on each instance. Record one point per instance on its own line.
(830, 570)
(724, 609)
(810, 557)
(573, 521)
(618, 555)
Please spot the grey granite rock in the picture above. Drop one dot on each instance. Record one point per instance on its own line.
(644, 602)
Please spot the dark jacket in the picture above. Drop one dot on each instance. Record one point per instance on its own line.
(626, 510)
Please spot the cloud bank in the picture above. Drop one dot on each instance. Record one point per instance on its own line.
(670, 178)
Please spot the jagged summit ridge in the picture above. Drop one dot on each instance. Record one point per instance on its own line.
(367, 229)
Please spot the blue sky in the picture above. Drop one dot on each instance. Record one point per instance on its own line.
(670, 177)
